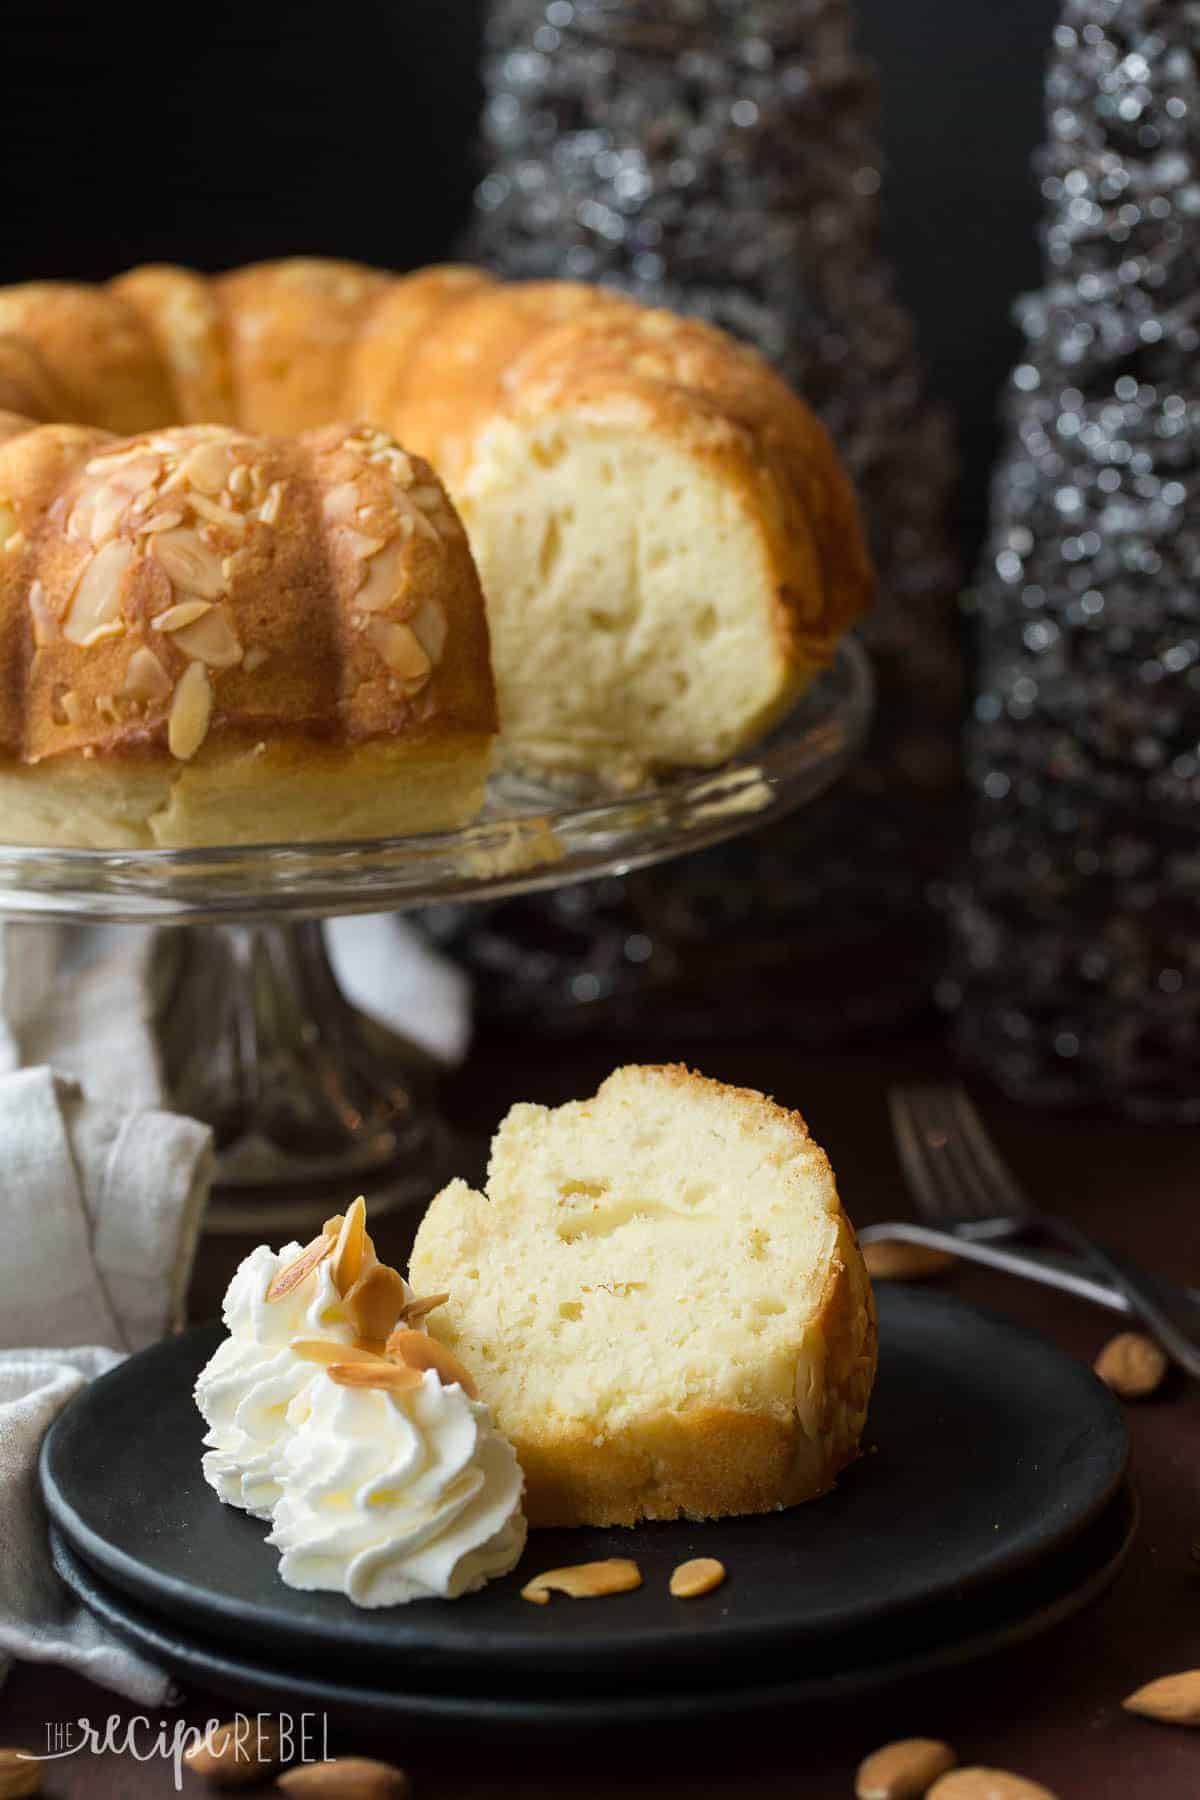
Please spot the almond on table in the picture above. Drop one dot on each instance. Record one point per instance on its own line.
(987, 1784)
(892, 1259)
(1132, 1365)
(347, 1778)
(1172, 1699)
(904, 1770)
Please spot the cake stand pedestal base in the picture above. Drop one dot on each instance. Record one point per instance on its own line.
(310, 1100)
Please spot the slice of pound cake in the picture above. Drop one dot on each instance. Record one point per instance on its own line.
(662, 1302)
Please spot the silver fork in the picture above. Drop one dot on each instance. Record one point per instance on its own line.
(959, 1179)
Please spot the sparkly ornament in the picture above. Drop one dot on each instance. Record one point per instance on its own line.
(720, 157)
(1077, 972)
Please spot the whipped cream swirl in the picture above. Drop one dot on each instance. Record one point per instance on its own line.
(246, 1387)
(387, 1497)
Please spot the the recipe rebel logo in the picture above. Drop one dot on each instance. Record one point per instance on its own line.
(247, 1738)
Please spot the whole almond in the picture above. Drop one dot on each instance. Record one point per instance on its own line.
(20, 1774)
(891, 1259)
(987, 1784)
(1172, 1699)
(347, 1778)
(904, 1770)
(231, 1758)
(1131, 1364)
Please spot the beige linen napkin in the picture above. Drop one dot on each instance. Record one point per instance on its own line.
(100, 1202)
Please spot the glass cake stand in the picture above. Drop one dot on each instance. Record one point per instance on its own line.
(310, 1100)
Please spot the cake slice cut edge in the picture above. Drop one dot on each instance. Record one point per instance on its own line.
(662, 1300)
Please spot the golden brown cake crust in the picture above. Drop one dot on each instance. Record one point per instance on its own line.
(161, 592)
(436, 358)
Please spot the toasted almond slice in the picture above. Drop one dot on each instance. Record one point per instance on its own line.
(400, 649)
(419, 1309)
(1172, 1699)
(189, 562)
(177, 618)
(145, 677)
(376, 1300)
(339, 504)
(420, 1351)
(357, 542)
(369, 1373)
(428, 624)
(585, 1581)
(79, 523)
(98, 633)
(191, 712)
(328, 1350)
(351, 1247)
(135, 478)
(699, 1576)
(44, 625)
(289, 1277)
(216, 515)
(211, 640)
(163, 521)
(208, 466)
(271, 507)
(420, 522)
(97, 597)
(107, 464)
(108, 508)
(385, 579)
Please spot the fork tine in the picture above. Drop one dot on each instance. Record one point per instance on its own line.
(999, 1177)
(970, 1197)
(922, 1157)
(956, 1187)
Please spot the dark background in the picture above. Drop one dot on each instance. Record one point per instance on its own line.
(215, 136)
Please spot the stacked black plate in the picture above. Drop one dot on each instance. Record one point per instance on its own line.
(992, 1502)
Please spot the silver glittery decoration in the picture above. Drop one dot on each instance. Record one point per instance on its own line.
(1078, 965)
(720, 156)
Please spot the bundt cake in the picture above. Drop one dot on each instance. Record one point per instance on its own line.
(668, 545)
(661, 1299)
(213, 636)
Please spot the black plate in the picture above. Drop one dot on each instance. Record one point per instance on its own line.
(920, 1643)
(987, 1451)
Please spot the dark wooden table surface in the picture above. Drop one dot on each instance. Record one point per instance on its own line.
(1050, 1709)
